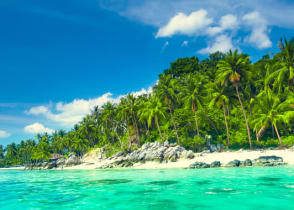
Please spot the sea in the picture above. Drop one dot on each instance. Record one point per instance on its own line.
(219, 188)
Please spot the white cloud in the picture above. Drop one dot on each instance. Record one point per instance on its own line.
(185, 24)
(185, 43)
(227, 22)
(37, 128)
(4, 134)
(68, 114)
(222, 43)
(258, 25)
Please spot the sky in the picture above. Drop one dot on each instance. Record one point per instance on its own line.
(59, 59)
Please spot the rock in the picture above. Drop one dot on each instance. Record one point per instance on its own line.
(187, 154)
(246, 162)
(60, 162)
(51, 165)
(268, 161)
(213, 148)
(215, 164)
(199, 165)
(72, 160)
(291, 148)
(119, 154)
(166, 144)
(145, 146)
(234, 163)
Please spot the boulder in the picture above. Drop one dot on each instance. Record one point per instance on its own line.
(72, 160)
(246, 162)
(187, 154)
(199, 165)
(268, 161)
(234, 163)
(215, 164)
(166, 144)
(60, 162)
(51, 165)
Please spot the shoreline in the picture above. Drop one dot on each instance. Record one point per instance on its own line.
(90, 162)
(208, 158)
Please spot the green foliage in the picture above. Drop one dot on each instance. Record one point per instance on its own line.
(238, 103)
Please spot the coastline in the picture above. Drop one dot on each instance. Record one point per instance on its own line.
(183, 163)
(175, 157)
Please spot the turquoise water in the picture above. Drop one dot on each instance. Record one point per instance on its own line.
(222, 188)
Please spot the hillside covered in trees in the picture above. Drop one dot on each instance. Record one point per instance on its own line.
(224, 99)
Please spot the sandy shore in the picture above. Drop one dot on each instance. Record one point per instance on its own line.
(223, 157)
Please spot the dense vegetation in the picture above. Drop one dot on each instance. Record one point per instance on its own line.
(224, 99)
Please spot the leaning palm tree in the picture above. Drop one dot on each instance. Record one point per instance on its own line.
(269, 109)
(220, 99)
(153, 109)
(165, 89)
(231, 70)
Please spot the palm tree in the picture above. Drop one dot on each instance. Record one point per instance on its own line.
(165, 89)
(221, 99)
(153, 109)
(193, 93)
(269, 109)
(284, 67)
(231, 70)
(133, 108)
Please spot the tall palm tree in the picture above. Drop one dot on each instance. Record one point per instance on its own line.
(133, 108)
(153, 109)
(269, 109)
(220, 99)
(193, 93)
(231, 70)
(165, 89)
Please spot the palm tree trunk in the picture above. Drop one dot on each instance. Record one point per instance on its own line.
(137, 130)
(196, 119)
(173, 120)
(245, 117)
(257, 137)
(279, 137)
(196, 123)
(227, 126)
(157, 125)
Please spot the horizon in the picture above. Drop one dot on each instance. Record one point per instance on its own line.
(59, 60)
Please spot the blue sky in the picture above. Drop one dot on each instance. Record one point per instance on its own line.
(58, 59)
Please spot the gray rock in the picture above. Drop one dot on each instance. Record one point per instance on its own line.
(51, 165)
(215, 164)
(72, 160)
(199, 165)
(268, 161)
(119, 154)
(246, 162)
(146, 146)
(166, 144)
(234, 163)
(60, 162)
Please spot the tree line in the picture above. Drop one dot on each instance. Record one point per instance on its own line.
(225, 99)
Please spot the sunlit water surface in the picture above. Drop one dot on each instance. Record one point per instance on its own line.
(222, 188)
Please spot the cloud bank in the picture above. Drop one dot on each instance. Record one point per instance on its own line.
(68, 114)
(37, 128)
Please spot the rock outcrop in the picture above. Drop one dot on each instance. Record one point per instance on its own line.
(268, 161)
(149, 152)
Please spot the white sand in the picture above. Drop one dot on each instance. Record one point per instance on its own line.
(223, 157)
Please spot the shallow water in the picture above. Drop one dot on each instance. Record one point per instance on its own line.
(222, 188)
